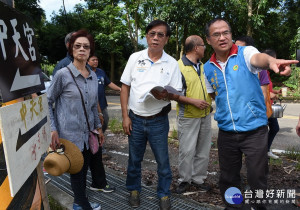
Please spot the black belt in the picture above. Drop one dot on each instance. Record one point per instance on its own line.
(163, 112)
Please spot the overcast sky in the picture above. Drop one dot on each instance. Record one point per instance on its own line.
(54, 5)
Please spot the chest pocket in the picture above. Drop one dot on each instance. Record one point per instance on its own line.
(101, 80)
(164, 75)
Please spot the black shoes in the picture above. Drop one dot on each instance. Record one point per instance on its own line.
(182, 187)
(203, 186)
(134, 199)
(165, 203)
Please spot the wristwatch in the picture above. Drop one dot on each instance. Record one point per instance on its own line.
(100, 114)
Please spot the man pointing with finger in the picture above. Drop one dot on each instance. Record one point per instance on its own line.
(231, 75)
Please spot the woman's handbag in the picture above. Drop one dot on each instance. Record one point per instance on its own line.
(94, 141)
(93, 135)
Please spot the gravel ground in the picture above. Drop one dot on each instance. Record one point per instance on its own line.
(283, 173)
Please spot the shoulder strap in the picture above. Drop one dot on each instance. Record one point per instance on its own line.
(84, 109)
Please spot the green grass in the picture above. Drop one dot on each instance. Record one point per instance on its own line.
(54, 205)
(174, 134)
(292, 153)
(297, 166)
(173, 138)
(115, 125)
(275, 162)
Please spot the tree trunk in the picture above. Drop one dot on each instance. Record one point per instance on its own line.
(185, 32)
(177, 43)
(132, 39)
(112, 67)
(133, 33)
(250, 11)
(298, 79)
(136, 29)
(112, 55)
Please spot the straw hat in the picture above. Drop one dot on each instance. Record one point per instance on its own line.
(71, 161)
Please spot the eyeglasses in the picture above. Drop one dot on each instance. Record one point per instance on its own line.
(218, 35)
(203, 45)
(78, 46)
(159, 34)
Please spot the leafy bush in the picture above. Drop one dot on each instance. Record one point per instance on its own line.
(48, 68)
(293, 81)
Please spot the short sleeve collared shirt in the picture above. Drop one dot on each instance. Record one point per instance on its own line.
(142, 74)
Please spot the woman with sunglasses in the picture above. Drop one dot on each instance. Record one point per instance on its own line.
(68, 120)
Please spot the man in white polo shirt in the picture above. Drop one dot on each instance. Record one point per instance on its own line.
(148, 120)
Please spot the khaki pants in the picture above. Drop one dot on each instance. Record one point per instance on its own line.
(194, 145)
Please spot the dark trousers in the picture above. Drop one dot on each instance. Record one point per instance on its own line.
(97, 170)
(106, 119)
(273, 130)
(78, 182)
(231, 147)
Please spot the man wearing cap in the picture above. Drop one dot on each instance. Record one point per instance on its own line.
(232, 80)
(68, 59)
(148, 120)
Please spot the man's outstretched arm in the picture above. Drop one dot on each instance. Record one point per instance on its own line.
(279, 66)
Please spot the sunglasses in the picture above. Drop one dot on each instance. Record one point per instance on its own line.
(78, 46)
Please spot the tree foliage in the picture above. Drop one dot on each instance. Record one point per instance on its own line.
(119, 25)
(31, 9)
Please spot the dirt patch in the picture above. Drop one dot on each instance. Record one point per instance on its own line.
(283, 174)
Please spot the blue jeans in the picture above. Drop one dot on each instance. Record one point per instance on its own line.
(155, 131)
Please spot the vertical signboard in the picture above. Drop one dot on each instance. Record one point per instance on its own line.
(20, 72)
(25, 130)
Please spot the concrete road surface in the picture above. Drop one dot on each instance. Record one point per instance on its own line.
(284, 140)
